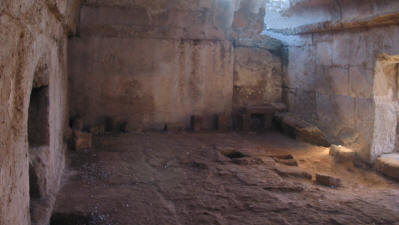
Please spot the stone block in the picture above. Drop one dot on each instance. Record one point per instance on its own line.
(388, 165)
(82, 140)
(327, 180)
(339, 80)
(196, 123)
(341, 154)
(324, 53)
(349, 49)
(360, 82)
(289, 171)
(344, 106)
(342, 46)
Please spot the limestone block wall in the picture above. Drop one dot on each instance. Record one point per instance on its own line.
(257, 77)
(331, 79)
(154, 62)
(33, 39)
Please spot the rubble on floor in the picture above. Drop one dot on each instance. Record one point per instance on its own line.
(168, 178)
(327, 180)
(289, 171)
(342, 154)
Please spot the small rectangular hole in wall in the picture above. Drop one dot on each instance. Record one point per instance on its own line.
(38, 121)
(257, 122)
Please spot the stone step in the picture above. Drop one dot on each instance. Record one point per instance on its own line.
(388, 165)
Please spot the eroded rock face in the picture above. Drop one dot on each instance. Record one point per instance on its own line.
(34, 42)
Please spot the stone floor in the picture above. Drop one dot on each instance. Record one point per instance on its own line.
(183, 179)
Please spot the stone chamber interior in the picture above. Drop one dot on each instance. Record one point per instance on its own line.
(151, 112)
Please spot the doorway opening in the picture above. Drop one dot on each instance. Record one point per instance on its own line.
(38, 139)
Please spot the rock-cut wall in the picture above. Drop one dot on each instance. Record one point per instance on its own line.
(149, 63)
(33, 86)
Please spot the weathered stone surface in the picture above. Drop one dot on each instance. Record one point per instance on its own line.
(82, 140)
(388, 165)
(327, 180)
(354, 92)
(33, 44)
(160, 56)
(338, 81)
(257, 77)
(151, 81)
(341, 154)
(296, 127)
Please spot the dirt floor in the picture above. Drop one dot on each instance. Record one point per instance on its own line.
(183, 179)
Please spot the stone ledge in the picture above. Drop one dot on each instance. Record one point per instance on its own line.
(388, 165)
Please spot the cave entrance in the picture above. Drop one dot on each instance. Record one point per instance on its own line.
(386, 100)
(38, 136)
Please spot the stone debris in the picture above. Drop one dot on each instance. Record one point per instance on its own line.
(341, 154)
(327, 180)
(388, 165)
(286, 159)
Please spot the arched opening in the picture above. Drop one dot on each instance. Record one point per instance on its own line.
(38, 137)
